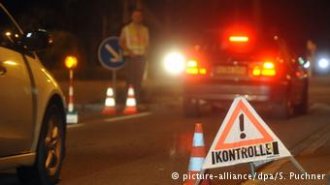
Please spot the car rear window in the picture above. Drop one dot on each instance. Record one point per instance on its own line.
(265, 47)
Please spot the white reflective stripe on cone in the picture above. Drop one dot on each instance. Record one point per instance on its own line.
(131, 102)
(130, 91)
(109, 102)
(198, 140)
(110, 92)
(196, 163)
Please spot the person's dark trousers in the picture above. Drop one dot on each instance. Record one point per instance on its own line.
(134, 76)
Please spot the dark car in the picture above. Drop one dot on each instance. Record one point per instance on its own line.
(263, 70)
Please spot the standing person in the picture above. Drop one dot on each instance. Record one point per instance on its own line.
(134, 39)
(311, 49)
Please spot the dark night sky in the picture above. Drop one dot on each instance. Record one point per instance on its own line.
(298, 20)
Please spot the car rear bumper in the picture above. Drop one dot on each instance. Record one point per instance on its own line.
(227, 92)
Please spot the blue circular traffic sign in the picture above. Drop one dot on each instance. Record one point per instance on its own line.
(110, 53)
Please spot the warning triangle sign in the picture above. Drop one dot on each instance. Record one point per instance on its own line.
(243, 137)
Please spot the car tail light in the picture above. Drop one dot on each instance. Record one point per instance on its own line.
(202, 71)
(192, 64)
(192, 68)
(238, 39)
(266, 68)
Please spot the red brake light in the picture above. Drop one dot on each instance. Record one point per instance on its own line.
(268, 69)
(239, 39)
(265, 69)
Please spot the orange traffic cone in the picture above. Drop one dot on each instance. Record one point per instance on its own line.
(197, 157)
(110, 103)
(130, 102)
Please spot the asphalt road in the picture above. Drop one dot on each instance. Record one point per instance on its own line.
(148, 148)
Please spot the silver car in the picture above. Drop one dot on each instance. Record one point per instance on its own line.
(32, 113)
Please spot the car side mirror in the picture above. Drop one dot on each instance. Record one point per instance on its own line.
(37, 40)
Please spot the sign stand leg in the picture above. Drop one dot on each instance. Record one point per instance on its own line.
(198, 181)
(253, 168)
(297, 165)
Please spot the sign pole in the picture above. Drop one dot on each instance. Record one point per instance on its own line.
(110, 56)
(72, 116)
(297, 165)
(114, 80)
(71, 108)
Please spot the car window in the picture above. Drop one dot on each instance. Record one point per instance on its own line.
(224, 50)
(264, 46)
(9, 33)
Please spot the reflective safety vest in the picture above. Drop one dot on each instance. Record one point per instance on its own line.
(137, 38)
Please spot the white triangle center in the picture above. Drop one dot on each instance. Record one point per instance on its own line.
(237, 130)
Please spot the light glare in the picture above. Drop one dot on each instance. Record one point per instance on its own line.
(174, 63)
(238, 39)
(323, 63)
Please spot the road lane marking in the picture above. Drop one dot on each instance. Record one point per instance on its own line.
(317, 144)
(121, 118)
(74, 125)
(127, 117)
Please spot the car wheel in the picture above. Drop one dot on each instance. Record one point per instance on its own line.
(50, 151)
(191, 107)
(284, 109)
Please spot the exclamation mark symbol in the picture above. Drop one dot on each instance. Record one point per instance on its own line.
(241, 126)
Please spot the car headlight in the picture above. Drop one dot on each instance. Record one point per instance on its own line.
(174, 63)
(323, 63)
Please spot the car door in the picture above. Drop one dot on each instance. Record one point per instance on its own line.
(16, 93)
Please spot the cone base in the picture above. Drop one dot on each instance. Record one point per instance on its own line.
(130, 110)
(72, 118)
(197, 158)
